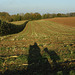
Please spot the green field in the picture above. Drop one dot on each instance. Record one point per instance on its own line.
(42, 44)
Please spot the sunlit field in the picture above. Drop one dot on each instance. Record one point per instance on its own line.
(49, 42)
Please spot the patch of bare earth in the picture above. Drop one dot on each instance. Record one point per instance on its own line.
(69, 21)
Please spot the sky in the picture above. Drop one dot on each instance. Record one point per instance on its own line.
(40, 6)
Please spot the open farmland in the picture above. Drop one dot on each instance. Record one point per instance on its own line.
(69, 21)
(18, 22)
(41, 42)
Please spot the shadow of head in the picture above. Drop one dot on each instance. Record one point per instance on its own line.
(53, 55)
(34, 53)
(34, 49)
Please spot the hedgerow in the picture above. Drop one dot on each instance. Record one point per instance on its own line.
(8, 28)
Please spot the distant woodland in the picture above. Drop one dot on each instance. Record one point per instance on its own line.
(31, 16)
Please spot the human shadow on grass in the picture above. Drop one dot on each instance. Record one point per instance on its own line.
(37, 64)
(53, 55)
(56, 66)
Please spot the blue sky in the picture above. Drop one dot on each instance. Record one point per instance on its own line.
(41, 6)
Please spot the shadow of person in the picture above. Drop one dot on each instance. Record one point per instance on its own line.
(37, 65)
(54, 57)
(57, 67)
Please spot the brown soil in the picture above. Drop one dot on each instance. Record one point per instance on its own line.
(69, 21)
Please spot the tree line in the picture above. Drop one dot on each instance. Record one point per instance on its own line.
(31, 16)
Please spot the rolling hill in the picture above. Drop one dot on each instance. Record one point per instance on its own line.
(40, 39)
